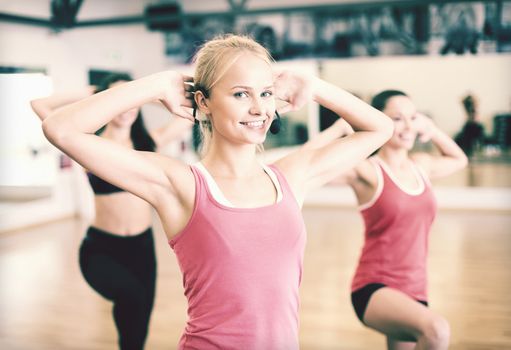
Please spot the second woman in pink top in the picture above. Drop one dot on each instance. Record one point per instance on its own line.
(389, 289)
(234, 224)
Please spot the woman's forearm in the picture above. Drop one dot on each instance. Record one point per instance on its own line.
(339, 129)
(91, 113)
(447, 146)
(360, 115)
(44, 106)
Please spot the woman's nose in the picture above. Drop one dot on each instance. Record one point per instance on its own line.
(257, 107)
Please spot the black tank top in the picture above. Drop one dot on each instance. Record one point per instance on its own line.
(100, 186)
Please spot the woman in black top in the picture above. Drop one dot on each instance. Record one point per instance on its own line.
(117, 256)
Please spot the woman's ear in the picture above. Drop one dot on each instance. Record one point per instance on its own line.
(201, 102)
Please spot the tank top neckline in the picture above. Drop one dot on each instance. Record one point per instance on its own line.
(219, 199)
(418, 178)
(380, 167)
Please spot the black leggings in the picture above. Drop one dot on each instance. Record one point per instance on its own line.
(122, 269)
(360, 298)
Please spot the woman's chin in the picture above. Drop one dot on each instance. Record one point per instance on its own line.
(407, 145)
(256, 136)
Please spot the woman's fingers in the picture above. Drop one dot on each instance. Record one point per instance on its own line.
(182, 108)
(183, 113)
(285, 109)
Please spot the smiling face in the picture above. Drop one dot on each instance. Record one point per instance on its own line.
(233, 79)
(241, 105)
(404, 114)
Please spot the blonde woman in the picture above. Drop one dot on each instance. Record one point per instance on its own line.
(234, 224)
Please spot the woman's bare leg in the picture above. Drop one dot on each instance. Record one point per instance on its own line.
(403, 319)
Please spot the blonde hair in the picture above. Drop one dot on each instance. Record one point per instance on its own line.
(213, 60)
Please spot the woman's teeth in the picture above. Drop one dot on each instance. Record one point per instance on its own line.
(254, 124)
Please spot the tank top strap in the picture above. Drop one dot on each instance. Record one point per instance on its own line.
(287, 192)
(212, 186)
(200, 186)
(392, 180)
(422, 173)
(380, 182)
(382, 172)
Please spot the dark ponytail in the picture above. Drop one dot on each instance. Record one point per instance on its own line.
(379, 101)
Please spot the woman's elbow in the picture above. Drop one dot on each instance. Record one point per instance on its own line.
(49, 130)
(38, 109)
(54, 132)
(386, 129)
(463, 160)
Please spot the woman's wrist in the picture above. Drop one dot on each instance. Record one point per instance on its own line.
(320, 89)
(435, 132)
(155, 85)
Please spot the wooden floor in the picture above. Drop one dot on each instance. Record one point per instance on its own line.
(45, 303)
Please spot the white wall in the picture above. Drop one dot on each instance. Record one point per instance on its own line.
(69, 55)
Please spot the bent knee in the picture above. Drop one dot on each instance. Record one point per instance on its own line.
(438, 332)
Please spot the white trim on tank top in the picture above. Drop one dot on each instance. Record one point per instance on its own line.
(218, 194)
(375, 161)
(423, 174)
(418, 178)
(379, 187)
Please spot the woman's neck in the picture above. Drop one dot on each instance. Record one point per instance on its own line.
(395, 157)
(232, 161)
(116, 134)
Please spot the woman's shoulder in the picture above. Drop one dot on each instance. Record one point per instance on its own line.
(179, 174)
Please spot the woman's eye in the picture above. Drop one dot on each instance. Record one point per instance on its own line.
(240, 94)
(267, 94)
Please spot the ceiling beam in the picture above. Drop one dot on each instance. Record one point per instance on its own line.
(33, 21)
(237, 11)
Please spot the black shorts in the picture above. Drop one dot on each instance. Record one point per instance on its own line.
(360, 298)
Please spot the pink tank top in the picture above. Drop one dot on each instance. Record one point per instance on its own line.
(241, 271)
(397, 224)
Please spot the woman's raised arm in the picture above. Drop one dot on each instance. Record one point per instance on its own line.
(451, 158)
(71, 128)
(313, 166)
(44, 106)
